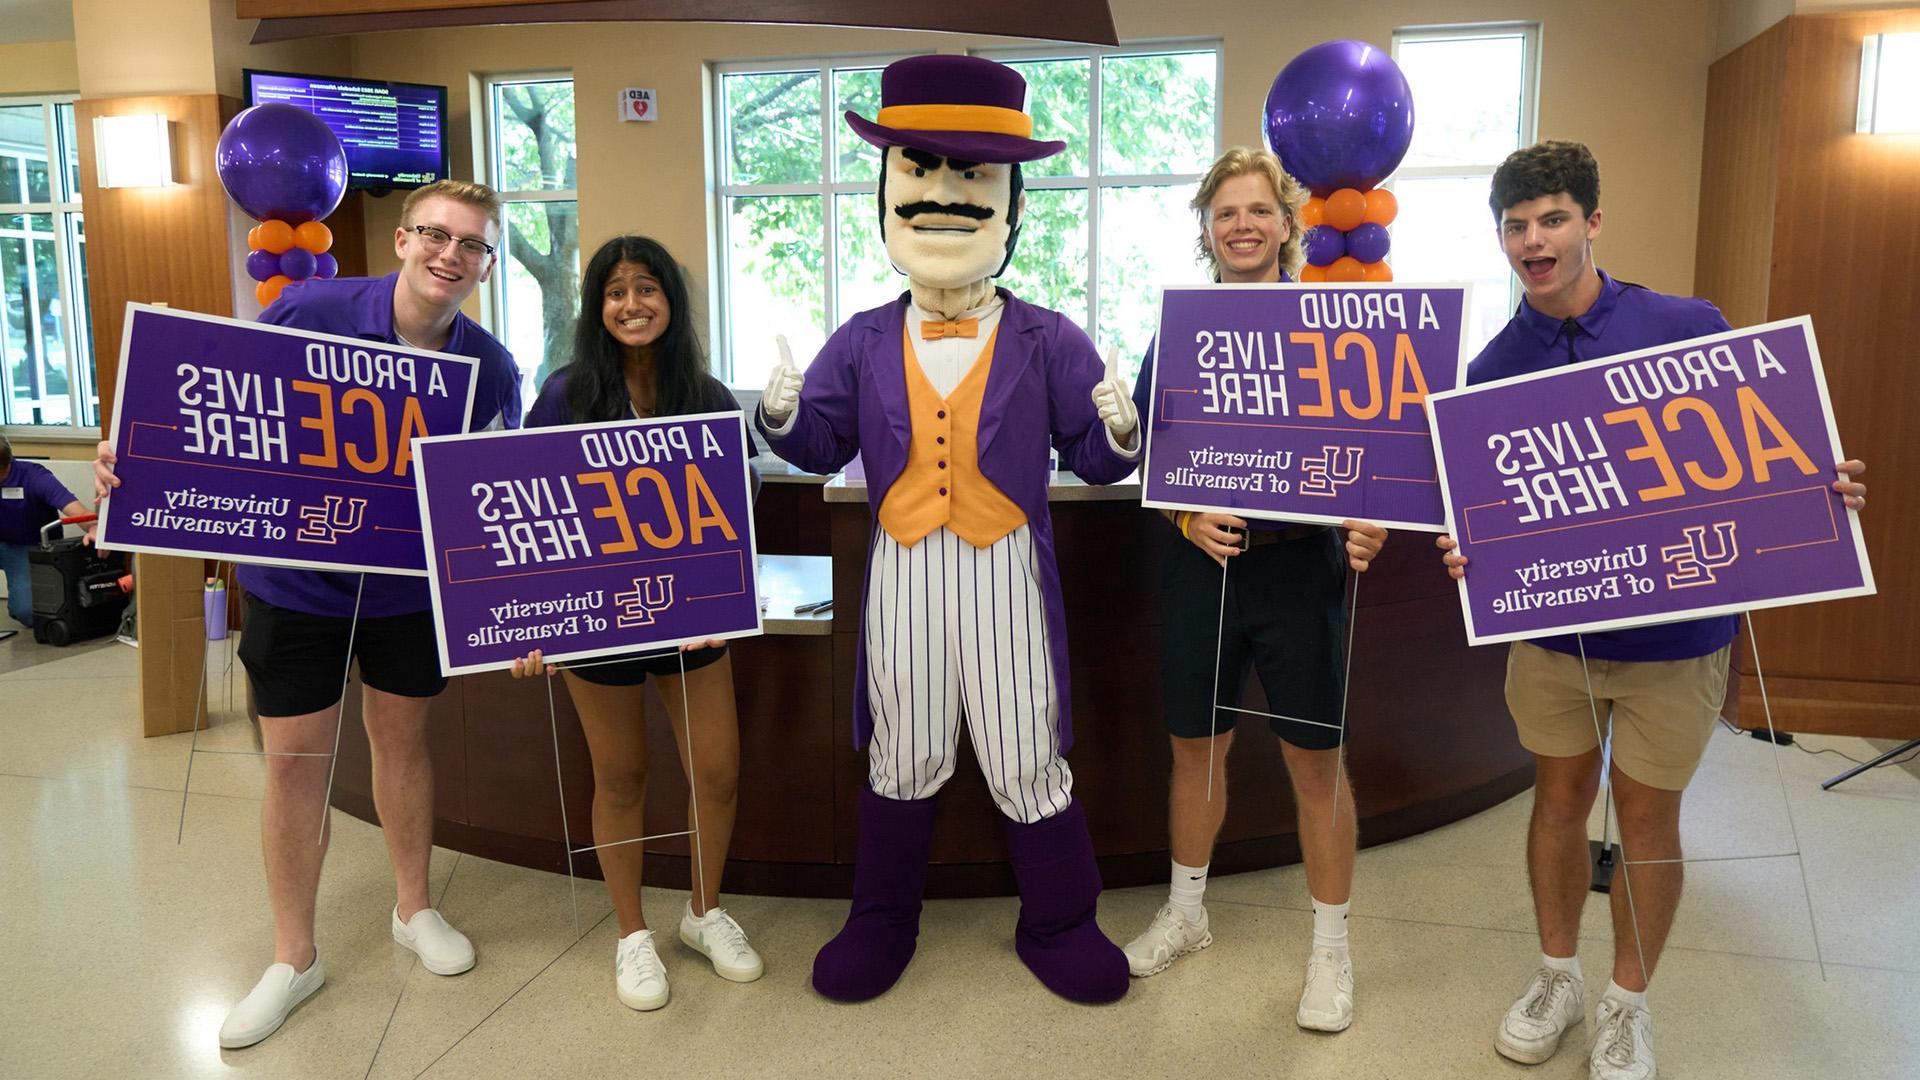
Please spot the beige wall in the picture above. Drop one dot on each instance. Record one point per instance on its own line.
(1628, 78)
(40, 67)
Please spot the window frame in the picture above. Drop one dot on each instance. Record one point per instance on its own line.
(1529, 34)
(1095, 181)
(828, 190)
(63, 206)
(491, 165)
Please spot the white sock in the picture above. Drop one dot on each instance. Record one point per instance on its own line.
(1570, 964)
(1330, 926)
(1635, 998)
(1189, 888)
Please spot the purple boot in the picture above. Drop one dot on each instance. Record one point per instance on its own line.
(889, 878)
(1057, 937)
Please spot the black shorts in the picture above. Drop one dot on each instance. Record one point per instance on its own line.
(634, 670)
(296, 661)
(1284, 613)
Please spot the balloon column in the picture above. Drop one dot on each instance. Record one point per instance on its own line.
(286, 170)
(1340, 118)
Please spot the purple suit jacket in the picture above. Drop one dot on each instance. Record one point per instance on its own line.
(1040, 390)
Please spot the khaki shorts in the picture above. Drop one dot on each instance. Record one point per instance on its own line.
(1662, 711)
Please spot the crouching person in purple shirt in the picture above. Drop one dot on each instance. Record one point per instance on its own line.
(301, 624)
(1661, 687)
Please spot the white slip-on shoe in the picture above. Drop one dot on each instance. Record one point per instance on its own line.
(1623, 1044)
(1553, 1002)
(267, 1005)
(638, 975)
(441, 949)
(718, 938)
(1326, 1001)
(1170, 936)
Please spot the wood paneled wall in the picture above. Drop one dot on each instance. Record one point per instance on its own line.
(1844, 247)
(154, 245)
(166, 245)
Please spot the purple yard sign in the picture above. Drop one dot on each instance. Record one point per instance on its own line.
(591, 540)
(1301, 402)
(1688, 480)
(263, 444)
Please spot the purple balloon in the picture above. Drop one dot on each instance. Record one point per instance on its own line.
(1325, 245)
(279, 161)
(298, 264)
(262, 265)
(325, 265)
(1340, 115)
(1368, 242)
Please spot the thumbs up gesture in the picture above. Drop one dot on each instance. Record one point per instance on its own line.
(782, 395)
(1114, 400)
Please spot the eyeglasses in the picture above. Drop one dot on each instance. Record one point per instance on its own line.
(437, 239)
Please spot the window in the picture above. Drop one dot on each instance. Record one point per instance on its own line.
(532, 164)
(1475, 89)
(1107, 221)
(46, 347)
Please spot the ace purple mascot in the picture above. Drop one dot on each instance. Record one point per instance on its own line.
(952, 393)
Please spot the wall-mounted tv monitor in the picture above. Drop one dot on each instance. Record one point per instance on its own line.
(395, 133)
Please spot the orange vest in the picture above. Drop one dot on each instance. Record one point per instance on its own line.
(942, 483)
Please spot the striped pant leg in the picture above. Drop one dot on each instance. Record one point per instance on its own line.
(1007, 685)
(913, 691)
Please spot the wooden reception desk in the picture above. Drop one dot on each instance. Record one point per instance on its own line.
(1429, 741)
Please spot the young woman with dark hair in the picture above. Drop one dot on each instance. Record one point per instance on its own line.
(635, 356)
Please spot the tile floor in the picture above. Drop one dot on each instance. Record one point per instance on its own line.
(120, 949)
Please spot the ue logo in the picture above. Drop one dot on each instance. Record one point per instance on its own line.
(1691, 563)
(1331, 471)
(327, 523)
(650, 595)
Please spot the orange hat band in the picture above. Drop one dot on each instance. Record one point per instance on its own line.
(990, 119)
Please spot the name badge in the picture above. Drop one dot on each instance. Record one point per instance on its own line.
(13, 493)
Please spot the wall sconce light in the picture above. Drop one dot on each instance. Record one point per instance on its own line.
(1890, 85)
(133, 151)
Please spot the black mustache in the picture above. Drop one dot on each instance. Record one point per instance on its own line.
(914, 209)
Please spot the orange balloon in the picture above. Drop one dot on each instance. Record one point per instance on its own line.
(1376, 271)
(276, 236)
(1346, 268)
(1313, 275)
(253, 238)
(314, 236)
(269, 290)
(1346, 209)
(1382, 207)
(1314, 212)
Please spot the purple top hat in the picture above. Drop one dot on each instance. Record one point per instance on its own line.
(964, 107)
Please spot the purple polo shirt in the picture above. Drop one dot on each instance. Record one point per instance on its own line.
(363, 308)
(30, 496)
(1626, 317)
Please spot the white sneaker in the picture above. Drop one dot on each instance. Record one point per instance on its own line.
(441, 949)
(266, 1006)
(1531, 1030)
(1623, 1047)
(717, 937)
(1326, 1001)
(1170, 936)
(638, 976)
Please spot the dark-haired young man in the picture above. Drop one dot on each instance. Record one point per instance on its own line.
(1660, 686)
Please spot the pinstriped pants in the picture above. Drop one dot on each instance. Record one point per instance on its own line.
(955, 632)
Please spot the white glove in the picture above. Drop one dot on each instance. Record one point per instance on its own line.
(782, 394)
(1114, 399)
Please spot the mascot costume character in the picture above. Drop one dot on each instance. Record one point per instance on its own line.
(951, 394)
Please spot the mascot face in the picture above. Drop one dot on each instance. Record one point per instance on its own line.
(946, 222)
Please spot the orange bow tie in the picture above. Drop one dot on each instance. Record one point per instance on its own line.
(935, 329)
